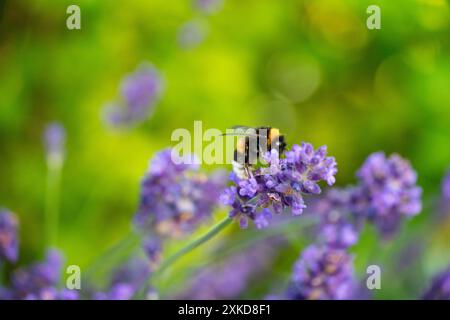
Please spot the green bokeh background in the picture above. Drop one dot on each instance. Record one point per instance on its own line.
(311, 68)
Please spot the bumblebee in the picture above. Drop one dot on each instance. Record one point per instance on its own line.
(252, 144)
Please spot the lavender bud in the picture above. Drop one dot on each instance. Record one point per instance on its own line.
(9, 243)
(54, 140)
(139, 92)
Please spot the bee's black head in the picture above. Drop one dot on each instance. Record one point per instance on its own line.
(280, 144)
(283, 144)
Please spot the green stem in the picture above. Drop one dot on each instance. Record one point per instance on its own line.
(113, 253)
(183, 251)
(52, 204)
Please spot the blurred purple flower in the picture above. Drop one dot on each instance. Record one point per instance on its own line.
(51, 293)
(36, 282)
(38, 279)
(443, 204)
(175, 198)
(119, 291)
(191, 34)
(387, 192)
(280, 183)
(9, 243)
(323, 273)
(152, 246)
(339, 235)
(6, 294)
(440, 287)
(446, 187)
(337, 226)
(139, 92)
(54, 141)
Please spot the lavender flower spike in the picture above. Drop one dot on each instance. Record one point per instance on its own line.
(139, 92)
(9, 243)
(279, 183)
(323, 273)
(175, 199)
(337, 226)
(387, 192)
(54, 140)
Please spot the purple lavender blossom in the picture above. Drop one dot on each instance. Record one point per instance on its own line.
(120, 291)
(39, 278)
(175, 198)
(339, 235)
(38, 281)
(9, 243)
(387, 192)
(278, 184)
(6, 294)
(54, 141)
(337, 226)
(139, 92)
(152, 246)
(446, 187)
(440, 287)
(51, 293)
(323, 273)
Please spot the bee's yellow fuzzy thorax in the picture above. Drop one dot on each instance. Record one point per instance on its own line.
(274, 133)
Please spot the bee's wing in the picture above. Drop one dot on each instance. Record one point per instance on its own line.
(240, 133)
(238, 126)
(243, 134)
